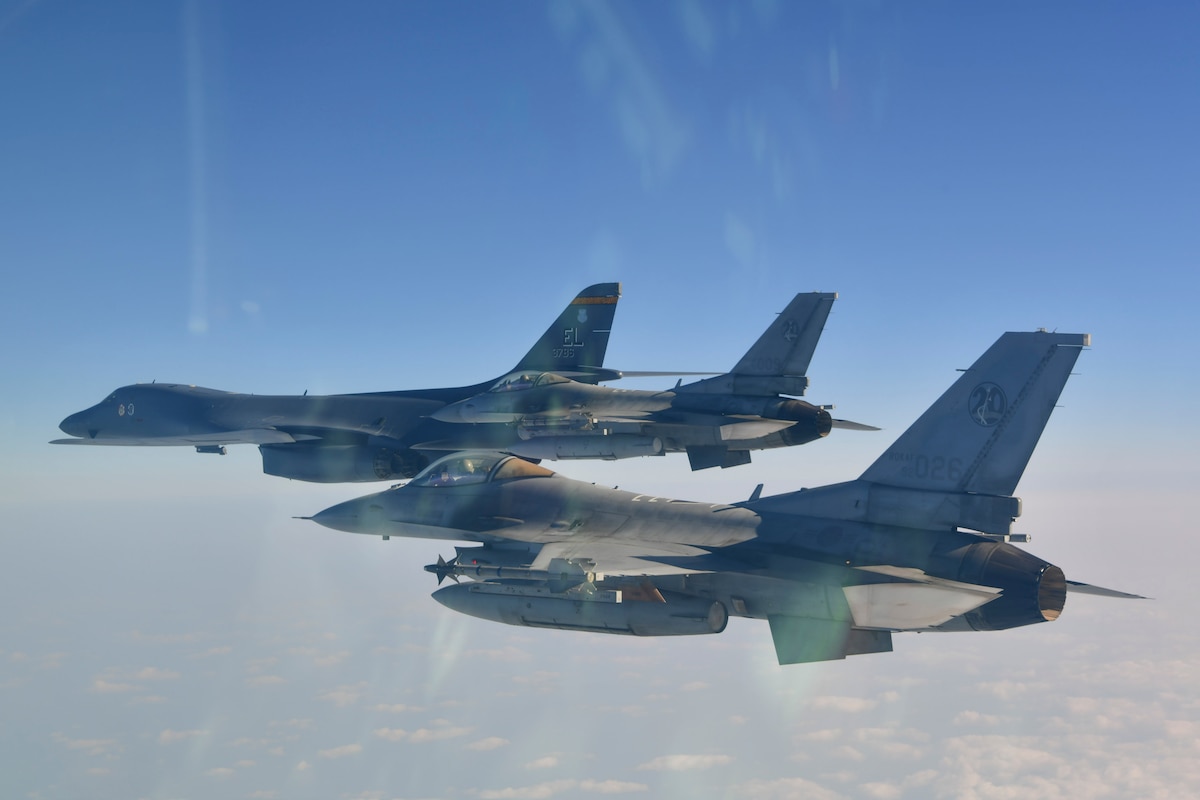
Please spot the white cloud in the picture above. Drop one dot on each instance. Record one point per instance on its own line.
(93, 747)
(784, 789)
(394, 708)
(1008, 690)
(542, 679)
(976, 718)
(165, 638)
(149, 699)
(545, 762)
(848, 752)
(340, 752)
(391, 734)
(256, 665)
(155, 674)
(490, 743)
(684, 763)
(612, 787)
(849, 705)
(169, 736)
(109, 687)
(507, 654)
(441, 730)
(297, 724)
(222, 650)
(536, 792)
(881, 791)
(265, 680)
(345, 696)
(540, 791)
(219, 772)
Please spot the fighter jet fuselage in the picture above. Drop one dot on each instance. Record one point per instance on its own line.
(921, 541)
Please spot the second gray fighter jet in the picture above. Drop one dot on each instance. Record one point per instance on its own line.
(717, 421)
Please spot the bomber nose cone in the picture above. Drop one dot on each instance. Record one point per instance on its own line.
(76, 425)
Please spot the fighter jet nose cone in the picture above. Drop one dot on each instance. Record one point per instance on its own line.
(450, 413)
(338, 517)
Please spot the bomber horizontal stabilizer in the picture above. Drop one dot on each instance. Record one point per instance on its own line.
(1100, 591)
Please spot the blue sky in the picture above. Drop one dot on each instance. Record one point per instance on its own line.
(273, 197)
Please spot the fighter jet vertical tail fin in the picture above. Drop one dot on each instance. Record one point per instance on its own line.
(787, 346)
(579, 337)
(979, 435)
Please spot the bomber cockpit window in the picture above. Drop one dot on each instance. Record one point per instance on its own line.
(458, 470)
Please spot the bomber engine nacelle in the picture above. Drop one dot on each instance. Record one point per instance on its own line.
(602, 612)
(317, 462)
(1032, 590)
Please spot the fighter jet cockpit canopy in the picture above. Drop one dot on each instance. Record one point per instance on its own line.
(519, 381)
(465, 468)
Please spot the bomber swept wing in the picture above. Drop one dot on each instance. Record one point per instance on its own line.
(920, 542)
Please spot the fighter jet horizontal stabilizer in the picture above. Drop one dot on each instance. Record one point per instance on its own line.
(847, 425)
(1100, 591)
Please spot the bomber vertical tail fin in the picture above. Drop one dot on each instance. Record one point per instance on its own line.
(979, 435)
(579, 337)
(787, 345)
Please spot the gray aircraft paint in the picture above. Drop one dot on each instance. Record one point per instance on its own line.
(390, 435)
(716, 421)
(334, 438)
(835, 570)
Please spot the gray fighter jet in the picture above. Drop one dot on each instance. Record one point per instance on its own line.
(347, 437)
(920, 542)
(717, 421)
